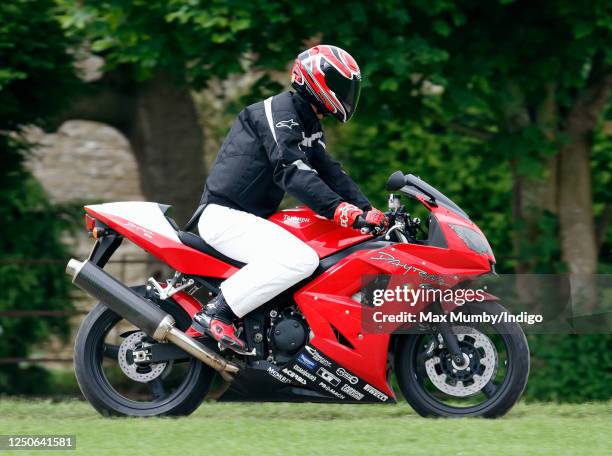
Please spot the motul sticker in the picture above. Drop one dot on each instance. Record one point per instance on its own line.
(278, 376)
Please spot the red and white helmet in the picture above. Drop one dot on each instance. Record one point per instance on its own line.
(329, 78)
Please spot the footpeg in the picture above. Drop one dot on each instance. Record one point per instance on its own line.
(237, 350)
(170, 289)
(195, 324)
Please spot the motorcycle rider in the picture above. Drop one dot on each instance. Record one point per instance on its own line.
(277, 146)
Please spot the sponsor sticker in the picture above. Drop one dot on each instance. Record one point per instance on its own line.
(317, 356)
(304, 372)
(294, 376)
(278, 376)
(306, 361)
(374, 392)
(328, 376)
(351, 392)
(330, 390)
(350, 377)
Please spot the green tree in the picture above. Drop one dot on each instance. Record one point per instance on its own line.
(155, 53)
(36, 76)
(530, 82)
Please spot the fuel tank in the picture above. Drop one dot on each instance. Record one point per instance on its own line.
(323, 235)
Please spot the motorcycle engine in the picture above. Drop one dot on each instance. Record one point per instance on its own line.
(287, 334)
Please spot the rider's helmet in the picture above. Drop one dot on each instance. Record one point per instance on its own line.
(329, 78)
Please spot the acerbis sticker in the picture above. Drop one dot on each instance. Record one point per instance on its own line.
(294, 376)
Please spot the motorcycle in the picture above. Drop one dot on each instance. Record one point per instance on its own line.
(136, 353)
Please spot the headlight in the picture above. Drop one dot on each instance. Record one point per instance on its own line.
(473, 239)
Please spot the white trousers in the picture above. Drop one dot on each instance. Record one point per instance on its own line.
(275, 259)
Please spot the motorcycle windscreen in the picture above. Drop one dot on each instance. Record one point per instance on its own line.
(417, 186)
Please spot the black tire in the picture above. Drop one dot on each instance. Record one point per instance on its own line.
(100, 393)
(506, 394)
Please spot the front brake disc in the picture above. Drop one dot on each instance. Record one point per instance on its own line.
(443, 374)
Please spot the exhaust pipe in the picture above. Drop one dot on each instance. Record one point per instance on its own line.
(146, 316)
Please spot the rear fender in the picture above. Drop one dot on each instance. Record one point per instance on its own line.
(104, 248)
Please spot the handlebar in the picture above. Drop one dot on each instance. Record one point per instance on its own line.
(367, 228)
(372, 230)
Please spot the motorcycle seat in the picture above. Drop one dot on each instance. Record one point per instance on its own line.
(196, 242)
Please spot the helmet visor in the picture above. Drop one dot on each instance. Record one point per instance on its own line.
(347, 90)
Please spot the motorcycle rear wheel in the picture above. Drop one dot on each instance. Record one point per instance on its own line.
(91, 354)
(430, 397)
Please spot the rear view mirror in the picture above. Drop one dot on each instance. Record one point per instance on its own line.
(396, 181)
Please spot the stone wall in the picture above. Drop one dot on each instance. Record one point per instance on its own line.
(88, 162)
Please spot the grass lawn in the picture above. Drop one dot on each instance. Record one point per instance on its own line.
(543, 429)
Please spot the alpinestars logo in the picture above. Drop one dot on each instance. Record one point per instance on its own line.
(287, 123)
(344, 213)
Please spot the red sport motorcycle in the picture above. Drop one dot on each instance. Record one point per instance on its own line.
(136, 353)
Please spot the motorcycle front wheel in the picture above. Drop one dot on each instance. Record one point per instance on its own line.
(489, 381)
(114, 385)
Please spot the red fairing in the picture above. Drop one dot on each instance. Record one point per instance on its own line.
(323, 235)
(175, 254)
(328, 300)
(446, 218)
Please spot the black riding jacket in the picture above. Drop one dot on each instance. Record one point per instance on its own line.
(277, 146)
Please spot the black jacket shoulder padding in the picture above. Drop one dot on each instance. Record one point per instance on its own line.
(277, 146)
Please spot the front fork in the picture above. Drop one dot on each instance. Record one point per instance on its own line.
(449, 337)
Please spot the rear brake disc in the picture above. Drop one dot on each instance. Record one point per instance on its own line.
(140, 372)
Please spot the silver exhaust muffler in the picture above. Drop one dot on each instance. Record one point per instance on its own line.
(140, 312)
